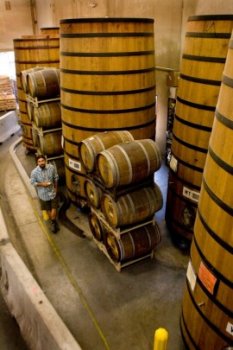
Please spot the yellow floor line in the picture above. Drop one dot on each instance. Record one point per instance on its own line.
(71, 277)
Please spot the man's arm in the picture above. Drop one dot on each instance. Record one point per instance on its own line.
(35, 182)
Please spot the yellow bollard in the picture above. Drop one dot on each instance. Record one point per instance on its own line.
(160, 339)
(45, 215)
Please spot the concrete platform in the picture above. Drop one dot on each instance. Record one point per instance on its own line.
(102, 308)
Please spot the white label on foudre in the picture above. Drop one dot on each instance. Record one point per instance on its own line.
(173, 164)
(229, 328)
(191, 276)
(74, 165)
(190, 194)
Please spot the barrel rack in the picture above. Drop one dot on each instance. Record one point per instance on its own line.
(35, 101)
(118, 232)
(40, 131)
(120, 265)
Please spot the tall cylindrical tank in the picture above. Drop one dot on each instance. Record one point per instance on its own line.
(207, 316)
(107, 83)
(30, 52)
(204, 54)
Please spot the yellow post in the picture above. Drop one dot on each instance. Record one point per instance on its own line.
(160, 339)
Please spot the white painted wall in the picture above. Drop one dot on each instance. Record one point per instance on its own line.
(14, 22)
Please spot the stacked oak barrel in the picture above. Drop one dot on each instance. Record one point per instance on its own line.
(203, 59)
(122, 194)
(107, 84)
(32, 51)
(207, 315)
(43, 101)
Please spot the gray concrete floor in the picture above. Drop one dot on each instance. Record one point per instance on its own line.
(103, 308)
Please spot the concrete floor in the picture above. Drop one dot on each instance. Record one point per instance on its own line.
(103, 308)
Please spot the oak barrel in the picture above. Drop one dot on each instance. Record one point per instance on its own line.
(75, 180)
(90, 147)
(132, 207)
(50, 143)
(96, 226)
(44, 84)
(47, 115)
(128, 163)
(134, 244)
(207, 317)
(203, 58)
(23, 77)
(93, 193)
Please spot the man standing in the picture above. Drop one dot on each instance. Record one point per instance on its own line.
(45, 178)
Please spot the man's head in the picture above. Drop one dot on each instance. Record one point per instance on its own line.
(41, 161)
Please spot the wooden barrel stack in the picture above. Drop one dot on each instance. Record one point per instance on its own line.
(207, 316)
(43, 97)
(32, 51)
(118, 177)
(203, 60)
(107, 84)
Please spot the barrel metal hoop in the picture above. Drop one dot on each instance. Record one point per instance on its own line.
(108, 20)
(45, 47)
(146, 156)
(217, 200)
(36, 62)
(106, 93)
(108, 129)
(120, 72)
(223, 17)
(107, 35)
(130, 170)
(211, 267)
(225, 166)
(204, 58)
(201, 81)
(189, 145)
(111, 111)
(196, 105)
(225, 121)
(208, 35)
(107, 54)
(216, 237)
(114, 165)
(193, 125)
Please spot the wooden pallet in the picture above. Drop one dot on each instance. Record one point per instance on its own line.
(35, 101)
(120, 265)
(119, 231)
